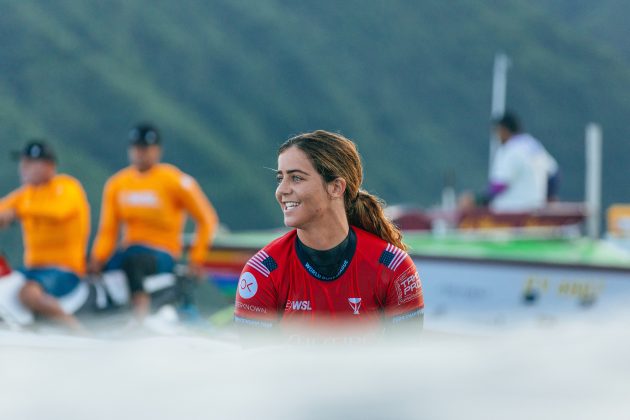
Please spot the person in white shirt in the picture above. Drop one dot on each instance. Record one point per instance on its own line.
(523, 175)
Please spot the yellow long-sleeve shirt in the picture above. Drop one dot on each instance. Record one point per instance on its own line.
(55, 219)
(151, 208)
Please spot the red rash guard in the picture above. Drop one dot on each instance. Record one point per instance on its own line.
(377, 284)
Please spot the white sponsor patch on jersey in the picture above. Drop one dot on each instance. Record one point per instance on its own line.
(298, 305)
(408, 286)
(145, 198)
(355, 304)
(247, 285)
(251, 308)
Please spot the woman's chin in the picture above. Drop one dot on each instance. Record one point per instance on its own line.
(291, 222)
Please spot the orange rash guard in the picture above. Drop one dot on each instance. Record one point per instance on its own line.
(151, 208)
(55, 219)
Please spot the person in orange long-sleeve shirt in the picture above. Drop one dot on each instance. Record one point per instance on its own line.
(54, 213)
(149, 201)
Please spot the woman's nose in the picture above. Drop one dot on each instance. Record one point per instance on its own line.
(283, 187)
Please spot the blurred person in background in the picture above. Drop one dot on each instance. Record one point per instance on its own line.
(523, 176)
(343, 264)
(149, 202)
(54, 214)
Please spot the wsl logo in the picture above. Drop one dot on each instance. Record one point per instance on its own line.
(298, 305)
(355, 304)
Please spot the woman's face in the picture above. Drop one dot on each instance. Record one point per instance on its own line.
(301, 190)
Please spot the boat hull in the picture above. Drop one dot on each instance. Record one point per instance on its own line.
(489, 283)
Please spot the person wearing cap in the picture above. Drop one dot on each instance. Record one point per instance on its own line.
(149, 202)
(523, 175)
(54, 214)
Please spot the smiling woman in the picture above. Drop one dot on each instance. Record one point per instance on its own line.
(343, 263)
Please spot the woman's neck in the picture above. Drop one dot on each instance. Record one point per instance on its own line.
(327, 234)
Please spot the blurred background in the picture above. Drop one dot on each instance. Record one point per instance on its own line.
(227, 81)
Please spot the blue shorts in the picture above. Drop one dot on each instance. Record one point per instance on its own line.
(54, 281)
(165, 263)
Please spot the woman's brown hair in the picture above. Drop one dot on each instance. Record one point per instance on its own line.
(334, 156)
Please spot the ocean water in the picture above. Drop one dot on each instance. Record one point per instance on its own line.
(576, 371)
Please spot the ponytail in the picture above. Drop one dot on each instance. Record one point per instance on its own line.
(366, 212)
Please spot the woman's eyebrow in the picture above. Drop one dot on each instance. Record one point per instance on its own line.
(292, 171)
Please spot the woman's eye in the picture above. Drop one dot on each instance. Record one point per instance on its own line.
(297, 178)
(278, 179)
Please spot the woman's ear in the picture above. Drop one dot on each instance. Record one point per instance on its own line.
(337, 188)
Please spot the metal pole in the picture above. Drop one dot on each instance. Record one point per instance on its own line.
(499, 84)
(499, 90)
(593, 191)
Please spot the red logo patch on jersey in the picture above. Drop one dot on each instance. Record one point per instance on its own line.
(408, 286)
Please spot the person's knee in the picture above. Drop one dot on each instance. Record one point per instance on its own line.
(30, 294)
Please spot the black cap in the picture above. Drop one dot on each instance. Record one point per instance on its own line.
(144, 135)
(36, 149)
(508, 120)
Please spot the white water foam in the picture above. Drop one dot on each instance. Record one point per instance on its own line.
(575, 372)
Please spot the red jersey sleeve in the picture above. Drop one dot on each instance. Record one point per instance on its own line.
(256, 296)
(404, 300)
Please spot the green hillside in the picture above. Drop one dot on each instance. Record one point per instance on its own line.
(228, 80)
(605, 22)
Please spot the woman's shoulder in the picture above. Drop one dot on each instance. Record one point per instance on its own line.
(278, 247)
(273, 255)
(369, 240)
(285, 241)
(379, 250)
